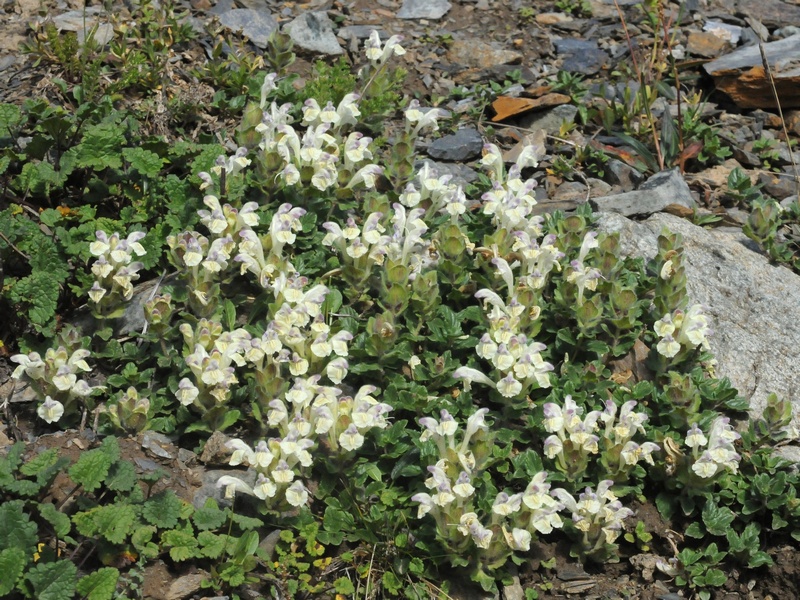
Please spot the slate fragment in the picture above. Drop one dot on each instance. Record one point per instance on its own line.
(741, 74)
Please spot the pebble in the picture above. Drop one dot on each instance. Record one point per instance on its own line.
(550, 120)
(257, 25)
(581, 56)
(475, 53)
(424, 9)
(658, 192)
(314, 31)
(464, 145)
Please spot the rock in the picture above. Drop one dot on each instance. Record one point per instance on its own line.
(550, 120)
(581, 56)
(464, 145)
(314, 31)
(269, 542)
(746, 158)
(185, 586)
(552, 18)
(462, 174)
(778, 185)
(214, 452)
(622, 174)
(741, 74)
(751, 303)
(732, 33)
(159, 444)
(717, 176)
(655, 194)
(707, 44)
(424, 9)
(257, 25)
(83, 22)
(475, 53)
(513, 591)
(772, 13)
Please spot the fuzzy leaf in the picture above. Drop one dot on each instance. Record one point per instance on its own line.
(717, 518)
(99, 585)
(162, 510)
(114, 522)
(92, 468)
(121, 476)
(10, 117)
(146, 162)
(59, 521)
(18, 530)
(100, 147)
(40, 294)
(183, 545)
(39, 462)
(210, 516)
(213, 545)
(54, 580)
(12, 562)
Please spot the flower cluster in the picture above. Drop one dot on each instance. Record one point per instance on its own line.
(598, 519)
(55, 378)
(619, 452)
(511, 199)
(714, 454)
(114, 270)
(450, 499)
(309, 413)
(575, 439)
(320, 156)
(581, 275)
(681, 332)
(436, 192)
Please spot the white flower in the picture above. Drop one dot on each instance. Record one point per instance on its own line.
(50, 410)
(242, 453)
(233, 485)
(297, 494)
(264, 487)
(350, 439)
(518, 539)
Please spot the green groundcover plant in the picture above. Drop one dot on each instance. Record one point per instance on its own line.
(420, 376)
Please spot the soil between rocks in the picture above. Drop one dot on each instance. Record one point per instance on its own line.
(431, 73)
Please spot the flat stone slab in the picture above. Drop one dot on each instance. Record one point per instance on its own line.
(424, 9)
(257, 25)
(654, 195)
(314, 31)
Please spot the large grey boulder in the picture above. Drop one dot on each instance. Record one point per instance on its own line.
(654, 195)
(754, 306)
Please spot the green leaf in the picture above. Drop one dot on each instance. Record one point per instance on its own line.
(40, 294)
(209, 516)
(147, 163)
(121, 476)
(100, 147)
(99, 585)
(10, 118)
(59, 521)
(12, 563)
(54, 580)
(162, 510)
(717, 518)
(715, 577)
(213, 545)
(182, 545)
(114, 522)
(391, 583)
(344, 586)
(246, 522)
(18, 530)
(40, 462)
(232, 573)
(695, 530)
(92, 468)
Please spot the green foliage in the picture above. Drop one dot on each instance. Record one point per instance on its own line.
(375, 331)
